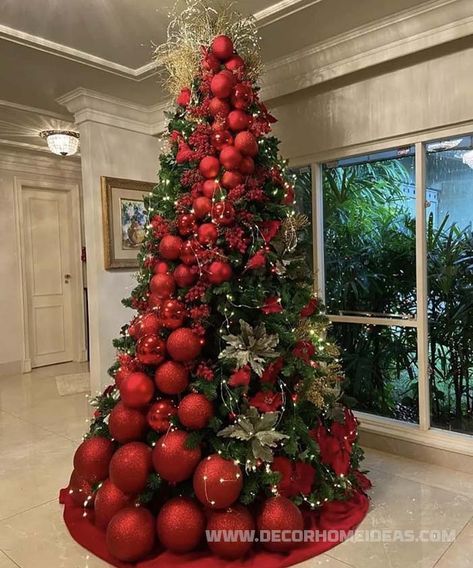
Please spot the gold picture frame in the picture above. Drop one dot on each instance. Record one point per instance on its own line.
(124, 220)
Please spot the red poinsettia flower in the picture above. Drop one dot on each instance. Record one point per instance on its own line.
(334, 452)
(269, 229)
(184, 97)
(240, 377)
(270, 374)
(269, 117)
(267, 401)
(272, 305)
(258, 260)
(363, 481)
(296, 477)
(310, 308)
(304, 350)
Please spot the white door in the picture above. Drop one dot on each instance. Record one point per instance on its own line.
(47, 237)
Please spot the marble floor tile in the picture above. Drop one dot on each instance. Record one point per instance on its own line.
(460, 553)
(5, 562)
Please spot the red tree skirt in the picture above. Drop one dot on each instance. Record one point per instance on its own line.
(340, 516)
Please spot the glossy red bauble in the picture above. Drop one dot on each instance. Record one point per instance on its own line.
(189, 250)
(170, 247)
(238, 120)
(242, 96)
(210, 187)
(92, 459)
(149, 324)
(230, 157)
(209, 167)
(219, 108)
(81, 490)
(131, 534)
(171, 378)
(236, 520)
(108, 501)
(223, 213)
(159, 414)
(247, 166)
(279, 514)
(172, 460)
(130, 467)
(186, 224)
(162, 285)
(231, 179)
(150, 350)
(217, 482)
(221, 85)
(207, 234)
(184, 276)
(136, 390)
(246, 143)
(183, 345)
(195, 411)
(126, 424)
(180, 525)
(173, 313)
(219, 272)
(221, 138)
(222, 47)
(235, 62)
(201, 206)
(161, 267)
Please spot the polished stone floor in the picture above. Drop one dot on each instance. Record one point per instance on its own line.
(39, 431)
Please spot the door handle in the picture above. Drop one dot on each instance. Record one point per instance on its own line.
(66, 278)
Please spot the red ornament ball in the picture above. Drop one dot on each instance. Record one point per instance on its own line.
(108, 501)
(247, 166)
(130, 467)
(81, 490)
(235, 62)
(246, 142)
(195, 411)
(242, 96)
(184, 276)
(162, 285)
(173, 313)
(126, 424)
(161, 267)
(160, 413)
(222, 47)
(136, 390)
(221, 85)
(172, 459)
(201, 206)
(218, 108)
(183, 345)
(210, 187)
(279, 514)
(220, 139)
(223, 213)
(171, 378)
(122, 373)
(189, 250)
(219, 272)
(131, 534)
(230, 157)
(209, 167)
(154, 301)
(180, 525)
(170, 247)
(237, 519)
(217, 482)
(186, 224)
(207, 233)
(92, 459)
(149, 324)
(151, 350)
(238, 120)
(231, 179)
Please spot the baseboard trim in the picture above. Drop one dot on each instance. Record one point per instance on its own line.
(11, 368)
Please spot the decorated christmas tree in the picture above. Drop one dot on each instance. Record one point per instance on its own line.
(227, 409)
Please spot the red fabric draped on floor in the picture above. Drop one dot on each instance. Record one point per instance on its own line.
(335, 516)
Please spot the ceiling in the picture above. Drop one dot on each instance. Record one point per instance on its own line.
(50, 47)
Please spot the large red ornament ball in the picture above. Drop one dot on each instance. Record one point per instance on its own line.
(231, 179)
(184, 276)
(172, 460)
(207, 233)
(223, 213)
(217, 482)
(150, 350)
(92, 458)
(195, 411)
(209, 167)
(201, 206)
(183, 345)
(173, 313)
(221, 85)
(162, 285)
(81, 490)
(186, 224)
(246, 142)
(236, 519)
(235, 62)
(279, 514)
(238, 120)
(222, 47)
(171, 378)
(137, 390)
(126, 424)
(108, 501)
(180, 525)
(130, 467)
(210, 187)
(230, 157)
(131, 534)
(219, 272)
(220, 139)
(242, 96)
(160, 413)
(189, 250)
(170, 247)
(247, 166)
(219, 107)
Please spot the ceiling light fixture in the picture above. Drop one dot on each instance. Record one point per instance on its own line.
(468, 158)
(61, 142)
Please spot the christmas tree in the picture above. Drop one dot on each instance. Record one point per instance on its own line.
(227, 410)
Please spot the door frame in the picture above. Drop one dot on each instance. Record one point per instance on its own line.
(72, 190)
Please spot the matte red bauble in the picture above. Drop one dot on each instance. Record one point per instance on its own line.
(149, 324)
(239, 521)
(238, 120)
(184, 276)
(221, 85)
(223, 213)
(81, 490)
(162, 285)
(183, 345)
(131, 534)
(171, 378)
(217, 482)
(242, 96)
(222, 47)
(160, 413)
(279, 514)
(180, 525)
(150, 350)
(211, 62)
(235, 62)
(246, 142)
(161, 267)
(126, 424)
(230, 157)
(173, 313)
(121, 374)
(130, 467)
(172, 459)
(186, 224)
(108, 501)
(207, 234)
(220, 139)
(195, 411)
(219, 107)
(201, 206)
(170, 247)
(210, 186)
(137, 390)
(188, 252)
(247, 166)
(219, 272)
(231, 179)
(92, 458)
(209, 167)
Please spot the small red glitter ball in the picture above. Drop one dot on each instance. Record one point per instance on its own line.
(92, 458)
(210, 187)
(173, 313)
(219, 107)
(130, 467)
(186, 224)
(170, 247)
(236, 519)
(180, 525)
(188, 253)
(149, 324)
(136, 390)
(230, 157)
(242, 96)
(235, 62)
(131, 534)
(223, 213)
(159, 414)
(231, 179)
(161, 267)
(247, 166)
(183, 345)
(219, 272)
(108, 501)
(221, 85)
(122, 373)
(246, 143)
(81, 490)
(220, 139)
(183, 275)
(126, 424)
(150, 350)
(172, 460)
(238, 120)
(217, 482)
(171, 378)
(222, 47)
(209, 167)
(207, 233)
(279, 514)
(162, 285)
(195, 411)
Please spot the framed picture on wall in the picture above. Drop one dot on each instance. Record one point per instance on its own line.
(124, 220)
